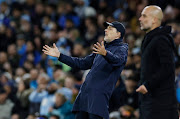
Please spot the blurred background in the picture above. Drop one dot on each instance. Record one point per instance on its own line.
(34, 85)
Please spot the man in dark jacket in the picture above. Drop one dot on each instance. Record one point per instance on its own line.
(157, 91)
(106, 63)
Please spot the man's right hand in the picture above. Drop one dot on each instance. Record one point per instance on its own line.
(51, 51)
(142, 89)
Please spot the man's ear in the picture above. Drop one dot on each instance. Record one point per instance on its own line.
(155, 20)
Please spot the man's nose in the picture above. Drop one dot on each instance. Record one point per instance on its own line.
(140, 18)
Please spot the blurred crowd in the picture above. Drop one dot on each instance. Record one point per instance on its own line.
(35, 85)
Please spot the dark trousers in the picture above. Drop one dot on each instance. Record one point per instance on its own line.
(86, 115)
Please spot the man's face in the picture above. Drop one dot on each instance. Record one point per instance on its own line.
(110, 34)
(58, 101)
(146, 20)
(130, 83)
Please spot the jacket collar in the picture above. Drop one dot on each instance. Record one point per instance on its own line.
(114, 42)
(165, 30)
(159, 30)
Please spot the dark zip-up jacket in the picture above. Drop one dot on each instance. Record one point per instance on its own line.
(95, 92)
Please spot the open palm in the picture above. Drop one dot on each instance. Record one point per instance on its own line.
(51, 51)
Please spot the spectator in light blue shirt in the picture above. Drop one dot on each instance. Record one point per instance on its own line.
(36, 97)
(49, 100)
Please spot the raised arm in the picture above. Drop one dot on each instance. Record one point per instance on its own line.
(80, 63)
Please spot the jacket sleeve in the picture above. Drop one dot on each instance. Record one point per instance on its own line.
(165, 55)
(118, 58)
(80, 63)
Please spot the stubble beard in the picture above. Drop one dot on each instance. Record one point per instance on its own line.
(144, 29)
(106, 39)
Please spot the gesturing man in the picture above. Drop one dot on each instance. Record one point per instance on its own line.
(106, 63)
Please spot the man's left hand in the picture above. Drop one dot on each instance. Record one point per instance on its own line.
(142, 89)
(99, 49)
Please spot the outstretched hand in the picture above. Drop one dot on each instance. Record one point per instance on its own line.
(51, 51)
(99, 49)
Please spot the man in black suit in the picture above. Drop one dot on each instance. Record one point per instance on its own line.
(157, 90)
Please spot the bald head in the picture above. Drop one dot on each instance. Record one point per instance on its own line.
(151, 17)
(155, 11)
